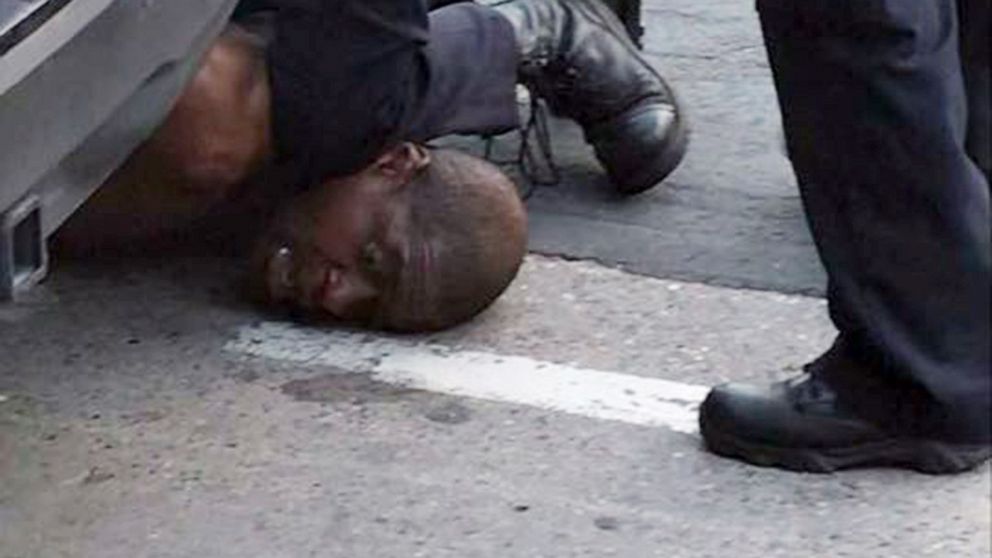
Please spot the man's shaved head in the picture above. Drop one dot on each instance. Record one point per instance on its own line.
(467, 232)
(419, 241)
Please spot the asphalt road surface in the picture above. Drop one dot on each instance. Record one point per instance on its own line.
(147, 410)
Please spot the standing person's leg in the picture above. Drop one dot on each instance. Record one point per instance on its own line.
(976, 30)
(875, 111)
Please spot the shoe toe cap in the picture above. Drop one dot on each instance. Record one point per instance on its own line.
(641, 147)
(747, 412)
(767, 415)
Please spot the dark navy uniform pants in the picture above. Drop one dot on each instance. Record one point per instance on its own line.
(886, 110)
(351, 78)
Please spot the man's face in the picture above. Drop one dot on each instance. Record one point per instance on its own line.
(339, 248)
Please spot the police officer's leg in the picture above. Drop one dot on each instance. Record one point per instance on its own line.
(874, 108)
(471, 60)
(976, 30)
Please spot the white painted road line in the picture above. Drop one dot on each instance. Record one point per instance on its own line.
(481, 375)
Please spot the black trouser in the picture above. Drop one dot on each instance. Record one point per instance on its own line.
(350, 78)
(472, 60)
(876, 112)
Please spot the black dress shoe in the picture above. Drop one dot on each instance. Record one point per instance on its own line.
(578, 57)
(801, 425)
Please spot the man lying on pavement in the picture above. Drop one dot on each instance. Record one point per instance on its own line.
(376, 229)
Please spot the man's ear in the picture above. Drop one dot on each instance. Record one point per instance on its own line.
(403, 162)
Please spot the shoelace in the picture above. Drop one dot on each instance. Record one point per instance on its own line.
(535, 150)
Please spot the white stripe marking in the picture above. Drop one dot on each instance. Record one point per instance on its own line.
(480, 375)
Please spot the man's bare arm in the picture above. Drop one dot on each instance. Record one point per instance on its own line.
(215, 137)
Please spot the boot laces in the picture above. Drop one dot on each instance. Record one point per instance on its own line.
(535, 157)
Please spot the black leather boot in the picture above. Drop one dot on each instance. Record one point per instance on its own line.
(577, 56)
(802, 425)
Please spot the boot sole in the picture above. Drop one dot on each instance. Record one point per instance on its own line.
(675, 149)
(926, 456)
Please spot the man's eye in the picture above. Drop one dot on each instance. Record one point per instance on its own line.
(372, 257)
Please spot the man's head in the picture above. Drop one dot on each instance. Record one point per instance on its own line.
(419, 240)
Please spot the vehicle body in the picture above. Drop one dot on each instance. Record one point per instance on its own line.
(82, 83)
